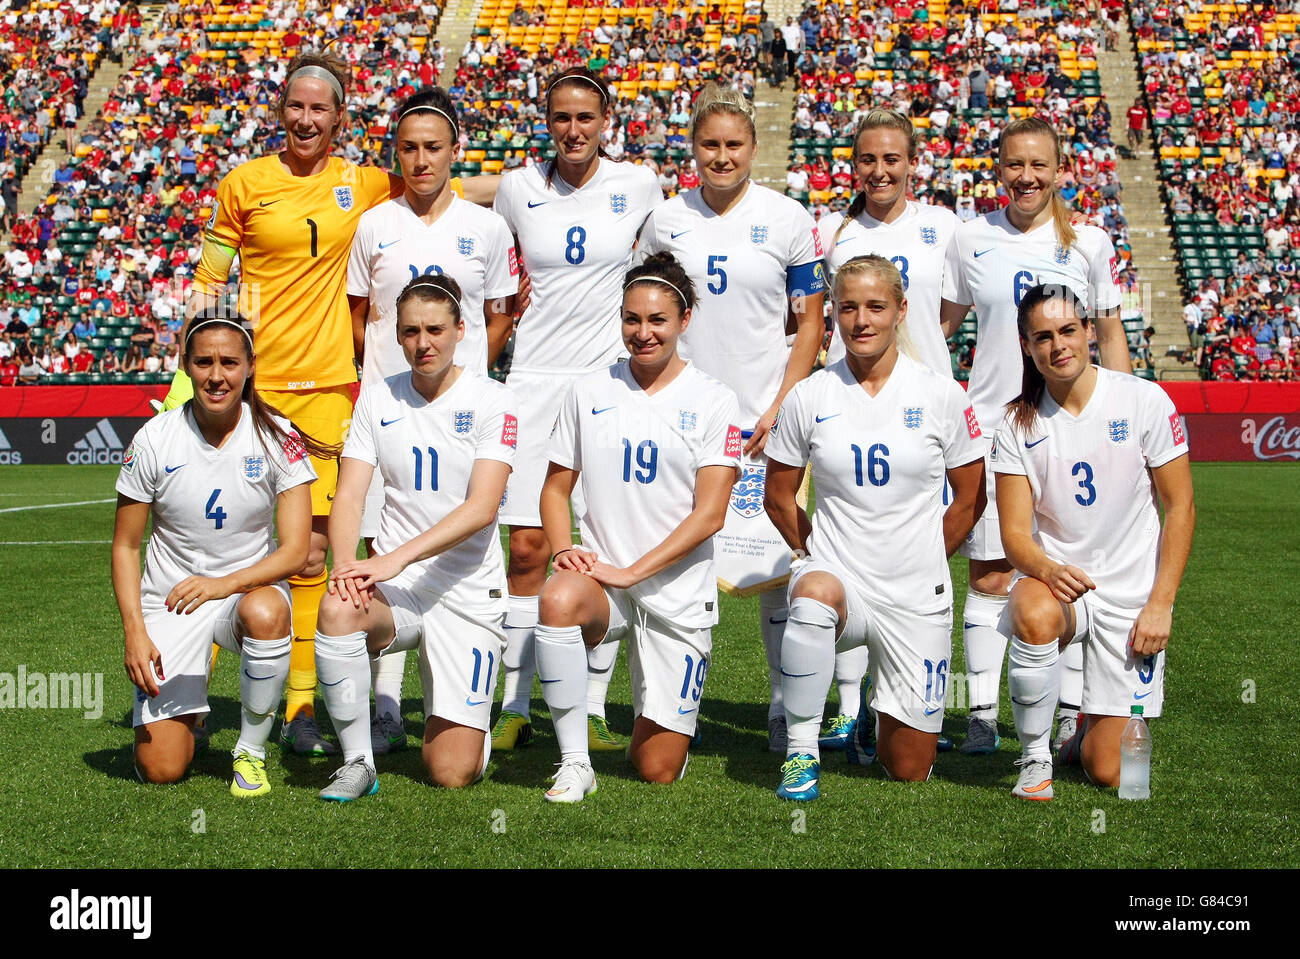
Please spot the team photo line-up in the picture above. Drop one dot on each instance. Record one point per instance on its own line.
(661, 390)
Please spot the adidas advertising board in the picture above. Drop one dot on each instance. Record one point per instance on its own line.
(749, 555)
(79, 441)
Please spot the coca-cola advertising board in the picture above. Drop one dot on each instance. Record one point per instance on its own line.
(1215, 437)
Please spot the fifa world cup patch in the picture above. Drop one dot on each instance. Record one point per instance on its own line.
(1176, 428)
(733, 445)
(510, 431)
(463, 421)
(343, 197)
(128, 460)
(294, 451)
(212, 219)
(1117, 430)
(254, 467)
(972, 424)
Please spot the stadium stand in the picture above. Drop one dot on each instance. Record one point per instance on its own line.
(961, 73)
(654, 58)
(1220, 83)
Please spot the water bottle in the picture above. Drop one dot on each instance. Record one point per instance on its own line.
(1135, 758)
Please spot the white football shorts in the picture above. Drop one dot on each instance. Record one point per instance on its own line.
(185, 643)
(668, 664)
(460, 653)
(910, 652)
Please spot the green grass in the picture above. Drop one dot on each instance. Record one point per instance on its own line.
(1224, 777)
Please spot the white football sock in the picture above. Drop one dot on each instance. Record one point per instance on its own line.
(600, 670)
(772, 615)
(343, 670)
(850, 668)
(1071, 679)
(562, 669)
(807, 663)
(519, 658)
(263, 669)
(985, 648)
(386, 673)
(1034, 683)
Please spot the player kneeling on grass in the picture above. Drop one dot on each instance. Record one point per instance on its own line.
(215, 476)
(881, 431)
(656, 447)
(1081, 456)
(443, 439)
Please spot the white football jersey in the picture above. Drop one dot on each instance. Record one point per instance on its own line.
(393, 246)
(637, 457)
(917, 244)
(992, 264)
(878, 465)
(745, 266)
(1094, 502)
(425, 453)
(577, 246)
(213, 509)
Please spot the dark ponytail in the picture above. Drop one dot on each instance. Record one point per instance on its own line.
(1024, 408)
(264, 413)
(664, 269)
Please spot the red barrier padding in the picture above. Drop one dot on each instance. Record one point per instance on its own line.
(1210, 397)
(124, 400)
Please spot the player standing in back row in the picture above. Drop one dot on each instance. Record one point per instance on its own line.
(996, 259)
(576, 219)
(754, 258)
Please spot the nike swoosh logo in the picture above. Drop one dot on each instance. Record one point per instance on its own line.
(596, 412)
(845, 240)
(684, 712)
(269, 202)
(966, 625)
(251, 676)
(823, 419)
(172, 469)
(796, 675)
(931, 712)
(673, 236)
(533, 206)
(1030, 446)
(384, 422)
(470, 702)
(1142, 695)
(547, 682)
(775, 622)
(323, 683)
(980, 253)
(244, 783)
(384, 246)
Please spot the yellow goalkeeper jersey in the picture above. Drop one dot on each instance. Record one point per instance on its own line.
(293, 235)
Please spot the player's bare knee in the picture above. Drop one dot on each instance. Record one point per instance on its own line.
(315, 564)
(337, 616)
(655, 769)
(448, 772)
(265, 614)
(993, 582)
(558, 603)
(1103, 771)
(1036, 623)
(823, 589)
(160, 768)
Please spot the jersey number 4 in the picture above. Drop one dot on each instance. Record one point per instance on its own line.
(215, 512)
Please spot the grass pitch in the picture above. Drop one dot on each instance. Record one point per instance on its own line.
(1224, 779)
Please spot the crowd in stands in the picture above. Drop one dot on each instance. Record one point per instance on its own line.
(654, 58)
(1221, 83)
